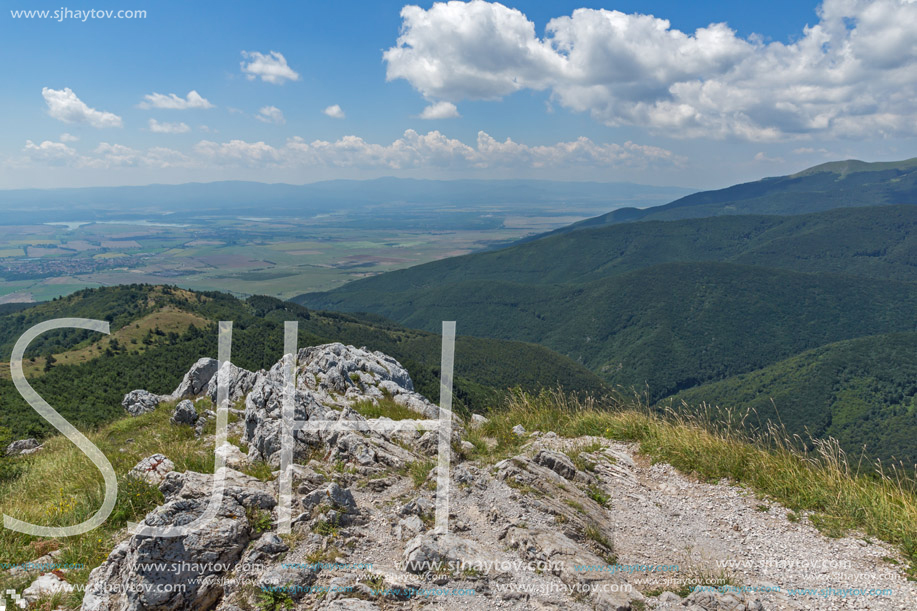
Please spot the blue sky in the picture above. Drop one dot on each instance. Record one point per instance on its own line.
(302, 91)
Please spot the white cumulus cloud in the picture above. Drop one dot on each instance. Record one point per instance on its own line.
(64, 106)
(175, 102)
(271, 114)
(54, 153)
(440, 110)
(105, 156)
(168, 128)
(849, 75)
(65, 137)
(413, 150)
(271, 67)
(433, 149)
(335, 112)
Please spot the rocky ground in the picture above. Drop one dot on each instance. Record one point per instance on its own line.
(582, 523)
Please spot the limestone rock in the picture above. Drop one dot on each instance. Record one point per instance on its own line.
(138, 402)
(23, 446)
(143, 571)
(477, 421)
(184, 413)
(295, 582)
(196, 380)
(238, 382)
(153, 469)
(556, 462)
(431, 552)
(232, 456)
(45, 586)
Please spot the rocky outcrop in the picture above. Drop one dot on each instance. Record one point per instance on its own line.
(368, 496)
(23, 446)
(330, 380)
(239, 382)
(556, 462)
(142, 572)
(139, 402)
(195, 382)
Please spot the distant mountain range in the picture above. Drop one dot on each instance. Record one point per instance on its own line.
(709, 297)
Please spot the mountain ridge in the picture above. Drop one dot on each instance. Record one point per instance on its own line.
(849, 183)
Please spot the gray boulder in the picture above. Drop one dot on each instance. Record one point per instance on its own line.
(153, 469)
(138, 402)
(436, 552)
(334, 367)
(45, 586)
(421, 506)
(23, 446)
(172, 573)
(408, 528)
(556, 462)
(184, 413)
(196, 380)
(335, 496)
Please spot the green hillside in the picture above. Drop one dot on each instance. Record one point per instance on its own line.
(92, 373)
(862, 392)
(667, 306)
(871, 242)
(670, 326)
(840, 184)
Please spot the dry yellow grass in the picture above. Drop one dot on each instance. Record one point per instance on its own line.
(167, 319)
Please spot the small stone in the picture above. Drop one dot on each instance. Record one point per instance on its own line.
(45, 586)
(294, 582)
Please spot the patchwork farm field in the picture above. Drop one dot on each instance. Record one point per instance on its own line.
(281, 257)
(275, 239)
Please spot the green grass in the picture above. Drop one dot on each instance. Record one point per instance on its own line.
(260, 520)
(59, 486)
(576, 455)
(326, 529)
(259, 470)
(598, 495)
(418, 471)
(386, 408)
